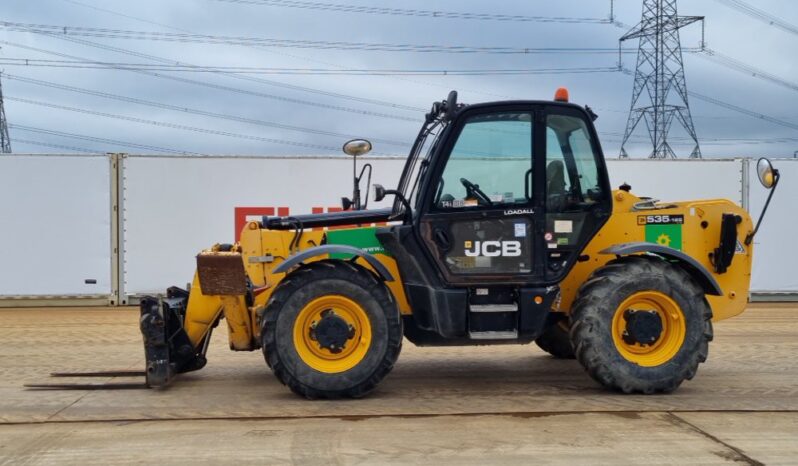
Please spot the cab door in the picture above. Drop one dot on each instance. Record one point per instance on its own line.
(482, 210)
(578, 198)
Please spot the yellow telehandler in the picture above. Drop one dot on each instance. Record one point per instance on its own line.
(504, 229)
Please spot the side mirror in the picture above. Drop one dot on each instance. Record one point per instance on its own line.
(768, 175)
(379, 192)
(346, 203)
(357, 147)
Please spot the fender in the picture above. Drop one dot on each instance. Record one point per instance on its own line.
(327, 249)
(690, 265)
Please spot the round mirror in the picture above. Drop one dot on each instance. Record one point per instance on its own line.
(379, 192)
(767, 176)
(357, 147)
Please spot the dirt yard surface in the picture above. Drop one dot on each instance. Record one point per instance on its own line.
(473, 405)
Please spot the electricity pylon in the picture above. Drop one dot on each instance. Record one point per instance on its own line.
(5, 140)
(660, 70)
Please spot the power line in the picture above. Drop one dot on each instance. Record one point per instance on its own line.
(742, 67)
(50, 32)
(735, 108)
(123, 15)
(56, 31)
(257, 80)
(209, 85)
(703, 143)
(291, 55)
(250, 78)
(82, 150)
(419, 13)
(193, 111)
(744, 111)
(271, 51)
(164, 124)
(115, 142)
(761, 15)
(772, 140)
(77, 64)
(139, 19)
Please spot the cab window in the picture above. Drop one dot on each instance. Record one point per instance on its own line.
(572, 180)
(490, 163)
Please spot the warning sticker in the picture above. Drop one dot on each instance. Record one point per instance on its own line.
(563, 226)
(520, 230)
(738, 248)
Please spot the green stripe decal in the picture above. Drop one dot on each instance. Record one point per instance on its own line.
(361, 238)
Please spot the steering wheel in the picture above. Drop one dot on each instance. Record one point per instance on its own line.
(473, 190)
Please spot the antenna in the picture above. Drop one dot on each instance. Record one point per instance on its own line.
(660, 70)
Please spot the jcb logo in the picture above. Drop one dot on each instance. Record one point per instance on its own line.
(493, 248)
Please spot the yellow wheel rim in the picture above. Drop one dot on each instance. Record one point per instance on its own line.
(670, 339)
(323, 359)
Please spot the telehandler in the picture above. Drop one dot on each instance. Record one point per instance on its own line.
(504, 229)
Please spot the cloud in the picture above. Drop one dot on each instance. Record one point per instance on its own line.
(727, 31)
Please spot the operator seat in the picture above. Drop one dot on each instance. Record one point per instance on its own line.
(556, 193)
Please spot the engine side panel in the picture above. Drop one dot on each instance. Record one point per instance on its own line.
(693, 227)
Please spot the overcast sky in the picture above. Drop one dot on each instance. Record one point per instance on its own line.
(724, 133)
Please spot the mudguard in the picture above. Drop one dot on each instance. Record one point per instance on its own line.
(690, 265)
(327, 249)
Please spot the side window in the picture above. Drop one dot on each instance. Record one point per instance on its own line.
(585, 161)
(571, 168)
(556, 176)
(490, 164)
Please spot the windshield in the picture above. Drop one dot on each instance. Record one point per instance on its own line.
(418, 161)
(490, 163)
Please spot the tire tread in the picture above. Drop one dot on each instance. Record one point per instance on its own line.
(339, 270)
(592, 349)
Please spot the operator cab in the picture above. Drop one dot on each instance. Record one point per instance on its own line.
(504, 198)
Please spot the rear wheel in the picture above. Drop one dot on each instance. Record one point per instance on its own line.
(556, 341)
(641, 324)
(331, 330)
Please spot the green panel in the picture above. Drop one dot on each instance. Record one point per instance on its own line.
(665, 235)
(361, 238)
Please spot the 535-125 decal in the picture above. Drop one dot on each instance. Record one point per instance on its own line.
(660, 219)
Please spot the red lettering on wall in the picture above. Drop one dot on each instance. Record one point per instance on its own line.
(329, 210)
(248, 214)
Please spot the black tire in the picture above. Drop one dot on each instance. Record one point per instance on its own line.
(596, 304)
(331, 277)
(556, 341)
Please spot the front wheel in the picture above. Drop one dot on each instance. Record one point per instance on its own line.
(641, 325)
(331, 330)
